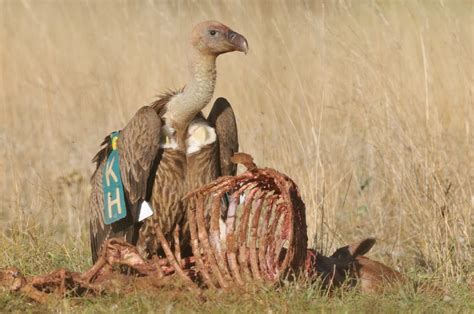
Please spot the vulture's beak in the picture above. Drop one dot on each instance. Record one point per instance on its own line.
(238, 41)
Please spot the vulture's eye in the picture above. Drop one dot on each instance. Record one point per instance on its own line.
(213, 32)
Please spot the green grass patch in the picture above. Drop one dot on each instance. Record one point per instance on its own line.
(34, 251)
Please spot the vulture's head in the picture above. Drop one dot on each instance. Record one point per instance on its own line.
(214, 38)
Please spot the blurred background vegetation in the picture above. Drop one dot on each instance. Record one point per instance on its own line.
(367, 105)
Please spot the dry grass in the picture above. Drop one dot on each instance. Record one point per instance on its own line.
(367, 105)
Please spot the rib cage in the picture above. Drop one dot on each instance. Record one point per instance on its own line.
(259, 233)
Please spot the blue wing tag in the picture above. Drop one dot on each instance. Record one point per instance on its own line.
(114, 199)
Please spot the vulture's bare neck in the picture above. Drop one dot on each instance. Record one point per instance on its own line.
(197, 93)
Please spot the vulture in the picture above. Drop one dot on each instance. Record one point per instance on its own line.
(169, 148)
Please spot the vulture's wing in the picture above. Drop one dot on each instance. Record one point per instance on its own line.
(222, 119)
(138, 145)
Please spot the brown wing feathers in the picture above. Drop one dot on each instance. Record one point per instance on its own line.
(138, 147)
(222, 119)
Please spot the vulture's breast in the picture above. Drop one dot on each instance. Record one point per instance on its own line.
(201, 154)
(180, 170)
(167, 192)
